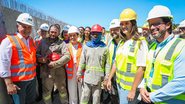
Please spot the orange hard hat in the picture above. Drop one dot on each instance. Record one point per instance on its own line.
(96, 28)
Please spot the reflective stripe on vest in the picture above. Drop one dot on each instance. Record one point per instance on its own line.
(111, 51)
(23, 62)
(126, 65)
(119, 59)
(163, 65)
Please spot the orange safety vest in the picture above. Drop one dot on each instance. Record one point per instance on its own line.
(70, 64)
(23, 61)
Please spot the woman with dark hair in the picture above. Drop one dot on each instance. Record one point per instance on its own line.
(86, 36)
(130, 58)
(64, 35)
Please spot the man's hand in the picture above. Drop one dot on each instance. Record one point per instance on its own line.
(12, 88)
(131, 95)
(145, 95)
(79, 78)
(51, 64)
(109, 85)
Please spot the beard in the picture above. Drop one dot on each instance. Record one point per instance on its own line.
(159, 34)
(26, 33)
(115, 35)
(182, 35)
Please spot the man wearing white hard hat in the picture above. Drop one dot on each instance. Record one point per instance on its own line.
(18, 62)
(41, 33)
(182, 28)
(112, 95)
(164, 75)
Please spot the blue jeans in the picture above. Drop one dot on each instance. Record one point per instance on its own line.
(123, 96)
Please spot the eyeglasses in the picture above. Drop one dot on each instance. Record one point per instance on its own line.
(182, 28)
(156, 24)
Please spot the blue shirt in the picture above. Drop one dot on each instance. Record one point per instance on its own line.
(177, 85)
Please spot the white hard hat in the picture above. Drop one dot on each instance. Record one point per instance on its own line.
(114, 23)
(25, 18)
(44, 26)
(140, 30)
(73, 29)
(66, 28)
(182, 24)
(159, 11)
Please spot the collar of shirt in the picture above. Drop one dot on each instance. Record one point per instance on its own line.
(164, 42)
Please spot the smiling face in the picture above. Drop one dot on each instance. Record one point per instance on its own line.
(115, 32)
(73, 38)
(54, 32)
(43, 33)
(157, 28)
(126, 27)
(24, 30)
(87, 32)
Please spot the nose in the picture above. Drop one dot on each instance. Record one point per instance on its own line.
(152, 27)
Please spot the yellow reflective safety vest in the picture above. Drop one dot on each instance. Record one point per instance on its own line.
(111, 49)
(126, 64)
(163, 65)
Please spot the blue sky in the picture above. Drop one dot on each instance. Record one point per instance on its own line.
(89, 12)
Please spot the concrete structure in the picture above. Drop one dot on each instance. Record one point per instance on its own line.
(10, 9)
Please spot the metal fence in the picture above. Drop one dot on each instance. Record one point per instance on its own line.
(15, 5)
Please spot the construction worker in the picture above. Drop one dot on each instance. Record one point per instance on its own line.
(75, 49)
(140, 31)
(111, 97)
(182, 28)
(64, 36)
(41, 33)
(93, 60)
(164, 75)
(18, 62)
(146, 33)
(53, 54)
(130, 58)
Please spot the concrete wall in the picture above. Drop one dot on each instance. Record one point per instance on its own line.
(9, 16)
(8, 22)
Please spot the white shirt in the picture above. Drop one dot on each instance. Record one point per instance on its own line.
(75, 49)
(6, 55)
(141, 53)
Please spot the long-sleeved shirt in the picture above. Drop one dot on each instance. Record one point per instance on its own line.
(6, 55)
(47, 47)
(93, 60)
(177, 85)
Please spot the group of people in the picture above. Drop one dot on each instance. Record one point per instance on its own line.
(86, 66)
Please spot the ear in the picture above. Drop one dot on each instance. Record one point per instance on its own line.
(168, 25)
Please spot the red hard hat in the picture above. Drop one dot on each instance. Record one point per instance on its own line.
(96, 28)
(54, 56)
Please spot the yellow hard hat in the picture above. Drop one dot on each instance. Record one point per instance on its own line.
(128, 14)
(145, 26)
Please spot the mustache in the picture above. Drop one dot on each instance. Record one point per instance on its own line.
(152, 30)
